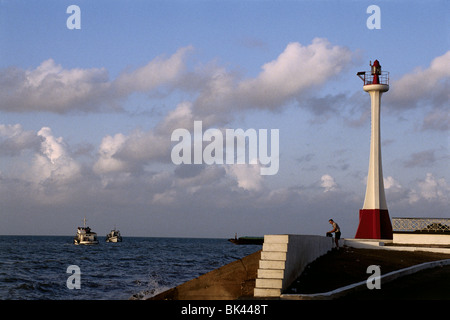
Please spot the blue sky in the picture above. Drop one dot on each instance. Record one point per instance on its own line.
(86, 115)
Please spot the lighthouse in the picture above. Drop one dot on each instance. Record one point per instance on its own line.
(374, 221)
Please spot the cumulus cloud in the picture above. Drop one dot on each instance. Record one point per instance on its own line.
(50, 158)
(129, 153)
(328, 183)
(106, 162)
(14, 140)
(423, 84)
(159, 71)
(391, 184)
(248, 176)
(50, 87)
(54, 163)
(181, 117)
(143, 147)
(217, 92)
(425, 88)
(295, 71)
(430, 189)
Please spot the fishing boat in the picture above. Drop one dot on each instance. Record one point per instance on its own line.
(85, 235)
(114, 236)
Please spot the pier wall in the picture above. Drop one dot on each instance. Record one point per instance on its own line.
(415, 238)
(232, 281)
(283, 259)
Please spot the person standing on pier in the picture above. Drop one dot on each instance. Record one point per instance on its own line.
(337, 232)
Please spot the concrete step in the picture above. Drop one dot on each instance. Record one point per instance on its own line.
(265, 292)
(270, 273)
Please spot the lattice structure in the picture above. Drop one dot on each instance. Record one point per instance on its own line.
(421, 225)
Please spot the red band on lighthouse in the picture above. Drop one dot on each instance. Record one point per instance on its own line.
(374, 224)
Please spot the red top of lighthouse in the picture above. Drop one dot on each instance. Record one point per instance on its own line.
(375, 75)
(376, 71)
(376, 63)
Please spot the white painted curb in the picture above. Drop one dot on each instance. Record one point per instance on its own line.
(363, 284)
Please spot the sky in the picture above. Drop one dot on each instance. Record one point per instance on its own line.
(89, 101)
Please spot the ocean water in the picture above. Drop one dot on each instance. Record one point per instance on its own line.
(35, 267)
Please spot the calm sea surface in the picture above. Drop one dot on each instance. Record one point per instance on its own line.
(35, 267)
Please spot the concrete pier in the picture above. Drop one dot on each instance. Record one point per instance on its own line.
(283, 259)
(265, 273)
(269, 272)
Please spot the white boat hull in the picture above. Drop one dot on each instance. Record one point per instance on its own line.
(114, 239)
(114, 236)
(85, 236)
(85, 242)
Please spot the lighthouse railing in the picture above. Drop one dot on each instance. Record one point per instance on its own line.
(367, 77)
(421, 225)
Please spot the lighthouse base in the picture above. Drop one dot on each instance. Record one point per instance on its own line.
(374, 224)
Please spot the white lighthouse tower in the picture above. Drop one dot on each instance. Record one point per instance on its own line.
(374, 221)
